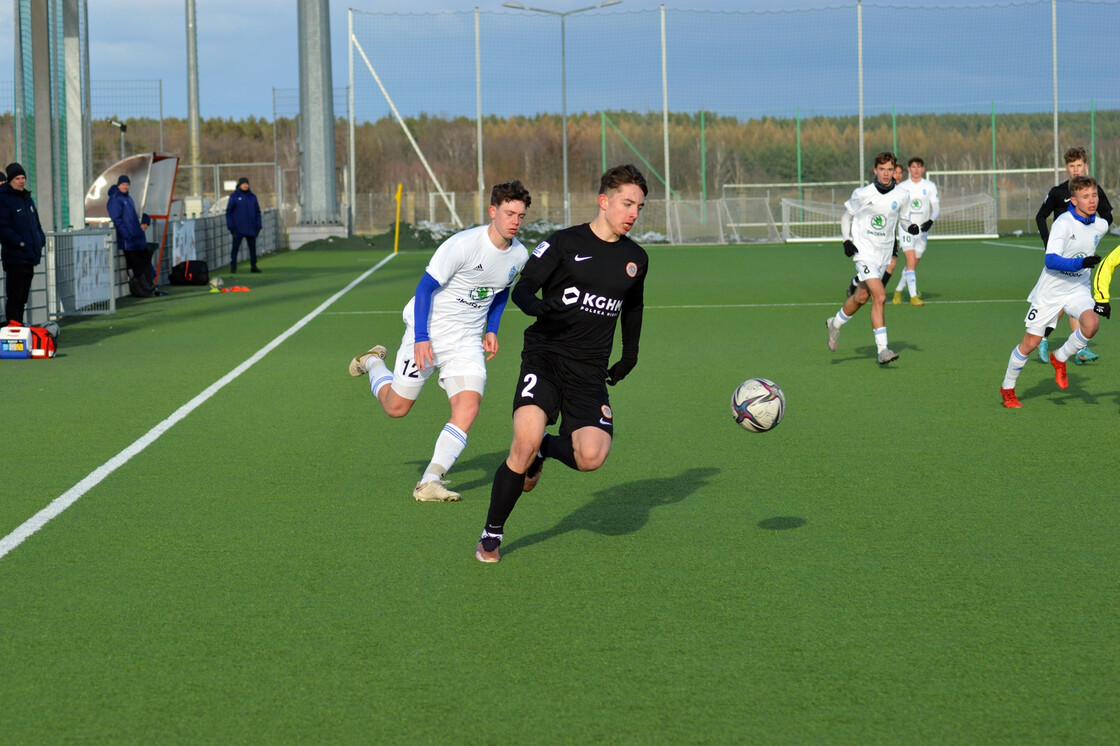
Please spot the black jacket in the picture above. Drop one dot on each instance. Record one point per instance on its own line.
(21, 235)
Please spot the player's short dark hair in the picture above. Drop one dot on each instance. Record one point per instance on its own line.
(613, 178)
(1076, 154)
(886, 157)
(917, 160)
(1077, 183)
(510, 191)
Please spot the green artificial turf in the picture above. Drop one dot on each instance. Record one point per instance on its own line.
(901, 561)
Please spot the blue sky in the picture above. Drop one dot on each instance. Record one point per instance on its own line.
(248, 47)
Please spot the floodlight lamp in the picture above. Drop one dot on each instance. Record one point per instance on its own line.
(119, 125)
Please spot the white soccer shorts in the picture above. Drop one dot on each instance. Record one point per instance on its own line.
(917, 244)
(461, 363)
(1043, 314)
(866, 268)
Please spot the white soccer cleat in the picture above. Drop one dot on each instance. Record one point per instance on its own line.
(833, 333)
(435, 492)
(886, 356)
(358, 364)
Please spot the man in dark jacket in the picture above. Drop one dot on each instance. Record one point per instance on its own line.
(243, 218)
(131, 239)
(21, 240)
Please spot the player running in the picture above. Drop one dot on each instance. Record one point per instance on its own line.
(451, 324)
(925, 207)
(590, 276)
(868, 225)
(1063, 286)
(1056, 204)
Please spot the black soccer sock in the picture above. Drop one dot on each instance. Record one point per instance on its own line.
(560, 448)
(503, 496)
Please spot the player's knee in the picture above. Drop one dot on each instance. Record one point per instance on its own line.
(395, 406)
(591, 458)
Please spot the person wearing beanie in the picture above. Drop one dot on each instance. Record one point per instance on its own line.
(21, 240)
(131, 239)
(243, 218)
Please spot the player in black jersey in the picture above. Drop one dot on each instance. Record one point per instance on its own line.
(590, 276)
(1056, 203)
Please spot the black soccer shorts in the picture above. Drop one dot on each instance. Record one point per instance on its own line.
(575, 391)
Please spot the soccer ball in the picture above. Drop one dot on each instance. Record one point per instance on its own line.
(758, 405)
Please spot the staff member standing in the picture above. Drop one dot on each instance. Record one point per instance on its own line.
(21, 240)
(243, 218)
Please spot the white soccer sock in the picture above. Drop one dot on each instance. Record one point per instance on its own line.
(1014, 367)
(449, 445)
(880, 338)
(1072, 346)
(901, 281)
(842, 318)
(379, 375)
(911, 278)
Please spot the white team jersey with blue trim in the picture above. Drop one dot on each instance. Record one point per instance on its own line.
(470, 271)
(923, 201)
(1069, 238)
(875, 220)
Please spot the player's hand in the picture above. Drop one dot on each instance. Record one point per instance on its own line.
(913, 229)
(490, 344)
(926, 226)
(1090, 261)
(620, 370)
(1103, 309)
(422, 355)
(545, 306)
(850, 248)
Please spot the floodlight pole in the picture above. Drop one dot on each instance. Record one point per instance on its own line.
(563, 85)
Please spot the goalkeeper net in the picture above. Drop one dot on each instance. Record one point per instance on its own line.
(972, 216)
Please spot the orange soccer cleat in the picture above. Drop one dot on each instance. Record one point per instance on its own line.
(1009, 399)
(1060, 376)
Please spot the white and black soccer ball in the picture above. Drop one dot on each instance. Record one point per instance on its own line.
(758, 405)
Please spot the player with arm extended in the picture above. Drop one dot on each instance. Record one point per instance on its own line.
(1056, 204)
(868, 225)
(925, 207)
(591, 278)
(451, 324)
(1063, 286)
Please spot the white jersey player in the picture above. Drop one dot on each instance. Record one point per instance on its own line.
(868, 226)
(451, 324)
(1063, 286)
(925, 207)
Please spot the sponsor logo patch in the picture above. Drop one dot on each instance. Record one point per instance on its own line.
(541, 248)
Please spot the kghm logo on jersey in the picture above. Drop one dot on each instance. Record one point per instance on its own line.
(591, 303)
(878, 222)
(481, 293)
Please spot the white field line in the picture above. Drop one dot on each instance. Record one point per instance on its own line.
(32, 525)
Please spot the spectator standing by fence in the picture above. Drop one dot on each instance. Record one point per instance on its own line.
(131, 239)
(21, 240)
(243, 218)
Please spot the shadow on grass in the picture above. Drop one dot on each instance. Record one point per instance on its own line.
(622, 509)
(484, 465)
(871, 353)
